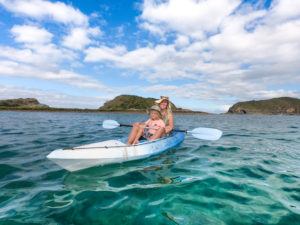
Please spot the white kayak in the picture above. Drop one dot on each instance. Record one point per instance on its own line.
(111, 151)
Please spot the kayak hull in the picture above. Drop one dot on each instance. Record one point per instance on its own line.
(111, 151)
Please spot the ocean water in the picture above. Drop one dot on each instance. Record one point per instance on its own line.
(250, 176)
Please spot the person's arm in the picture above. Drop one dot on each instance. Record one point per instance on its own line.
(170, 126)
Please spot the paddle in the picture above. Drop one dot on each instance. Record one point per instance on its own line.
(199, 133)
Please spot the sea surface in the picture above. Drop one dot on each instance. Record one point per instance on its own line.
(250, 176)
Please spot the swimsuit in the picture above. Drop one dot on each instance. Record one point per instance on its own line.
(151, 127)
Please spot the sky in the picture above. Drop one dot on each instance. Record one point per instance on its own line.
(204, 54)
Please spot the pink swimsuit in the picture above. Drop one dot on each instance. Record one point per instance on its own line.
(152, 126)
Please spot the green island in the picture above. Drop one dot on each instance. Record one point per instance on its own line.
(274, 106)
(137, 104)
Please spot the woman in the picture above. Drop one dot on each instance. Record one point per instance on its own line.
(166, 112)
(167, 117)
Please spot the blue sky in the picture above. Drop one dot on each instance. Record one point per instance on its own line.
(206, 55)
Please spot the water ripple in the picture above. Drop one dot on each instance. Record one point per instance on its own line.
(250, 176)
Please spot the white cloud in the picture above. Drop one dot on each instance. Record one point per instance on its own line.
(221, 97)
(79, 34)
(248, 56)
(39, 53)
(284, 10)
(103, 53)
(10, 68)
(153, 63)
(79, 37)
(38, 57)
(41, 56)
(31, 34)
(156, 30)
(41, 9)
(182, 41)
(189, 17)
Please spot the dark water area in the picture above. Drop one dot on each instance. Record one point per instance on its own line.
(250, 176)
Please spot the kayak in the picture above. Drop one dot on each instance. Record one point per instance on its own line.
(111, 151)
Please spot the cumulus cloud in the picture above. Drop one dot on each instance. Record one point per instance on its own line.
(79, 37)
(37, 56)
(36, 48)
(31, 34)
(187, 17)
(41, 9)
(79, 33)
(231, 52)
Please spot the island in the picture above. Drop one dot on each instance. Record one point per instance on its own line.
(133, 103)
(22, 103)
(274, 106)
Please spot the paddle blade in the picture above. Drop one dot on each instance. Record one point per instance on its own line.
(206, 133)
(110, 124)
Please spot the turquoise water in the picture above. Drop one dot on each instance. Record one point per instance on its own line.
(250, 176)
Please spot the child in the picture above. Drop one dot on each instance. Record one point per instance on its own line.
(153, 128)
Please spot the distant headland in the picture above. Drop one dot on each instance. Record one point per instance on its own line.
(274, 106)
(22, 103)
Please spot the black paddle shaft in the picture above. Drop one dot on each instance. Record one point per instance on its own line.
(178, 130)
(125, 125)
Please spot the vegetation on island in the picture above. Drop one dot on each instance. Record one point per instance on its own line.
(283, 105)
(130, 103)
(133, 103)
(22, 103)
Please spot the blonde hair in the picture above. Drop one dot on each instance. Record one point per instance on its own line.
(168, 110)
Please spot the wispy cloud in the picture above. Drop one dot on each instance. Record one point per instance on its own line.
(46, 10)
(31, 34)
(10, 68)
